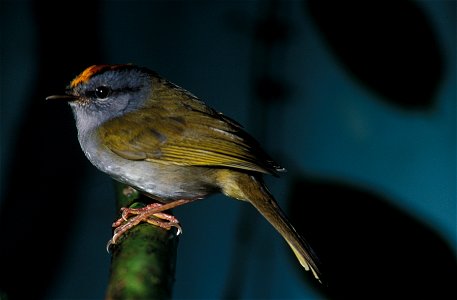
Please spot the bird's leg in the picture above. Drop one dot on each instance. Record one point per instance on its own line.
(152, 214)
(127, 212)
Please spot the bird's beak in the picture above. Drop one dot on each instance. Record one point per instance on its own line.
(67, 98)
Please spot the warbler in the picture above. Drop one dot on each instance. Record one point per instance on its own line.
(161, 140)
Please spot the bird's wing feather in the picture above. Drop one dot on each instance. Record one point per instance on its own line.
(185, 133)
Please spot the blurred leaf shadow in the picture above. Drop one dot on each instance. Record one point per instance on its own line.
(389, 46)
(369, 248)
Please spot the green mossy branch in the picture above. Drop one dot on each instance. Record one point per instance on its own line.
(143, 261)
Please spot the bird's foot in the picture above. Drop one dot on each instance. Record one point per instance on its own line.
(152, 214)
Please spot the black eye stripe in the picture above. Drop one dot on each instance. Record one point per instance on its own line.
(103, 92)
(90, 94)
(100, 92)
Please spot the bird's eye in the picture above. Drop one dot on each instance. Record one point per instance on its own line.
(102, 92)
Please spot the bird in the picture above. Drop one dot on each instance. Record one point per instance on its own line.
(163, 141)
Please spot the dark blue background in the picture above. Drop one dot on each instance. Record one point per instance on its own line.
(370, 107)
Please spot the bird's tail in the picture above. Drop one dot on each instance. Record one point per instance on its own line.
(253, 190)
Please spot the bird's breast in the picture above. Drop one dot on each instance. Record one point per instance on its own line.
(164, 181)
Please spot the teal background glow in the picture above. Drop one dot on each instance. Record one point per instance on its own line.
(329, 126)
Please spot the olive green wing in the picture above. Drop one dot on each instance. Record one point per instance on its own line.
(186, 133)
